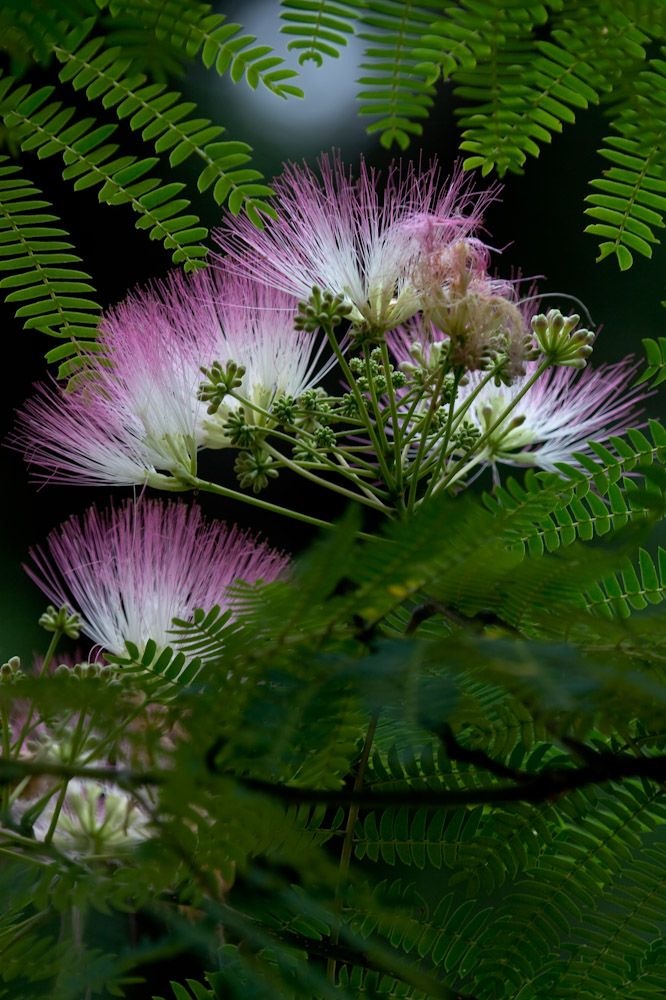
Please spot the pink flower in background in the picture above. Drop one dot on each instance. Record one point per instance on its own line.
(129, 571)
(340, 235)
(96, 818)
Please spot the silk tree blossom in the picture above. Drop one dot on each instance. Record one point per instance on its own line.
(231, 318)
(340, 235)
(558, 415)
(137, 416)
(474, 319)
(96, 820)
(132, 417)
(130, 571)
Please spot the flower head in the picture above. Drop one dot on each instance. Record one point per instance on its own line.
(130, 570)
(95, 819)
(558, 415)
(340, 236)
(247, 331)
(137, 415)
(131, 418)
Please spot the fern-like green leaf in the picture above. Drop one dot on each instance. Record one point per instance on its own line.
(563, 883)
(451, 42)
(28, 30)
(496, 129)
(592, 501)
(220, 44)
(90, 161)
(655, 353)
(320, 27)
(603, 966)
(162, 120)
(632, 201)
(634, 588)
(37, 267)
(195, 991)
(527, 88)
(397, 91)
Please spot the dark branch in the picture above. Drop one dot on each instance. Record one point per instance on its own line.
(479, 758)
(546, 784)
(15, 769)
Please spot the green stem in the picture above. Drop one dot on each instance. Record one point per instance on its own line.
(76, 742)
(457, 376)
(208, 487)
(459, 414)
(425, 427)
(443, 483)
(223, 491)
(373, 493)
(397, 446)
(110, 736)
(348, 842)
(325, 461)
(382, 445)
(25, 729)
(361, 403)
(299, 470)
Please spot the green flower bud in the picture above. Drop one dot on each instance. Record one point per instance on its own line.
(240, 433)
(62, 620)
(253, 469)
(220, 382)
(325, 437)
(556, 340)
(321, 309)
(10, 672)
(283, 408)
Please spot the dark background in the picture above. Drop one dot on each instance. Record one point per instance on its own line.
(539, 224)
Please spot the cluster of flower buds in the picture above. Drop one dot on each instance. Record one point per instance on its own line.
(321, 309)
(557, 340)
(220, 381)
(86, 672)
(62, 620)
(10, 672)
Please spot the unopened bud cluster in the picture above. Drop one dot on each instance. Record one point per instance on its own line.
(219, 383)
(61, 620)
(322, 309)
(10, 672)
(557, 340)
(85, 672)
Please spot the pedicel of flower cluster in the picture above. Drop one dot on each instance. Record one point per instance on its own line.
(129, 571)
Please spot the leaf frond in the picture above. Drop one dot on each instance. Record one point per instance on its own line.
(162, 119)
(37, 267)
